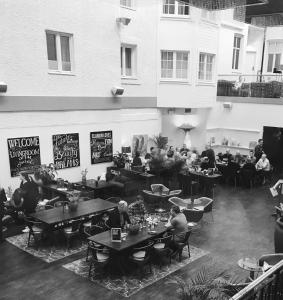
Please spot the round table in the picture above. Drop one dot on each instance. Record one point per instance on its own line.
(251, 265)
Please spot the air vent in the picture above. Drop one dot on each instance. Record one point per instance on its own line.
(188, 110)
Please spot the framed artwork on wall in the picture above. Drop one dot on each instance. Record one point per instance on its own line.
(101, 146)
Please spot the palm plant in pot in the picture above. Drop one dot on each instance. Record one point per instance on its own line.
(210, 283)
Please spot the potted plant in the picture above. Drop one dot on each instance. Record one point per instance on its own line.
(46, 173)
(210, 283)
(160, 141)
(83, 173)
(120, 159)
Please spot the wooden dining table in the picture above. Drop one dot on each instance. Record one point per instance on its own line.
(60, 216)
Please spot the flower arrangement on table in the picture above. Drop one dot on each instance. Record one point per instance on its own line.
(83, 173)
(73, 198)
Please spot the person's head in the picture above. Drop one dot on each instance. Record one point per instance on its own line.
(251, 153)
(139, 198)
(137, 154)
(184, 146)
(205, 159)
(170, 154)
(238, 153)
(122, 206)
(228, 151)
(263, 157)
(37, 175)
(260, 142)
(248, 161)
(177, 149)
(151, 149)
(171, 148)
(147, 156)
(24, 177)
(175, 210)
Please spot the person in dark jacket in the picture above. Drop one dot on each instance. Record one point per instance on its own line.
(121, 219)
(3, 199)
(258, 151)
(30, 193)
(137, 160)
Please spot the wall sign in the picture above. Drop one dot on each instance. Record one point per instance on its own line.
(66, 150)
(24, 154)
(101, 146)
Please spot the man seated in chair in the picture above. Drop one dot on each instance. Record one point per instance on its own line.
(179, 225)
(263, 167)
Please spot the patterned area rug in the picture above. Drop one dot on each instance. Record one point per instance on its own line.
(131, 284)
(46, 253)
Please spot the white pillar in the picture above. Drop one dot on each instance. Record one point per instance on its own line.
(187, 140)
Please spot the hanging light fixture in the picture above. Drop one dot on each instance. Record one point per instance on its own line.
(222, 4)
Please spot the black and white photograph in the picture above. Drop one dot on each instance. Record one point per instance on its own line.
(141, 148)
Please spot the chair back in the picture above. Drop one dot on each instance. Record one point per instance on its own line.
(147, 248)
(30, 222)
(175, 193)
(193, 215)
(208, 203)
(95, 251)
(93, 230)
(166, 240)
(157, 187)
(75, 225)
(178, 201)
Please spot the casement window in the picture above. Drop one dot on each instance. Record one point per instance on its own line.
(209, 15)
(206, 66)
(174, 65)
(59, 52)
(175, 8)
(274, 60)
(236, 52)
(127, 3)
(128, 60)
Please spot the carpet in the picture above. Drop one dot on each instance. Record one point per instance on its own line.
(46, 253)
(131, 284)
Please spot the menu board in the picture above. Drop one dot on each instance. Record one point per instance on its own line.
(116, 235)
(101, 146)
(66, 150)
(24, 154)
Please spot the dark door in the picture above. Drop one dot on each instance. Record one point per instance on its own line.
(273, 146)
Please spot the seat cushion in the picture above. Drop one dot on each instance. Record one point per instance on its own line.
(159, 246)
(36, 229)
(192, 224)
(68, 229)
(87, 224)
(102, 256)
(140, 255)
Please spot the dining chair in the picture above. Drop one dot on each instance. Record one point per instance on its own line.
(178, 201)
(208, 207)
(89, 232)
(141, 256)
(175, 193)
(157, 188)
(72, 231)
(35, 230)
(98, 261)
(182, 245)
(161, 249)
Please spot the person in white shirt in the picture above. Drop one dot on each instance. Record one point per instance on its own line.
(263, 167)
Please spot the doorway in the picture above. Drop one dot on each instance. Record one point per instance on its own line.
(273, 146)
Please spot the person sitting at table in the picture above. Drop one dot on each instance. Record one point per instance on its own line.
(252, 157)
(137, 208)
(30, 193)
(137, 160)
(227, 156)
(258, 151)
(238, 157)
(184, 149)
(263, 167)
(121, 219)
(247, 172)
(104, 223)
(179, 225)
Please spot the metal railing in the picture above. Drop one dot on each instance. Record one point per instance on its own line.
(268, 286)
(255, 85)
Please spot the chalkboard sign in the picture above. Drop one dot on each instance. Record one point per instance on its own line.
(24, 154)
(101, 146)
(66, 150)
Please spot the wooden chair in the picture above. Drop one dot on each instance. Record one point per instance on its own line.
(91, 231)
(141, 256)
(193, 217)
(182, 245)
(35, 231)
(72, 231)
(175, 193)
(162, 250)
(99, 259)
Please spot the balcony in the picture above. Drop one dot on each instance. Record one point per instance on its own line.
(264, 89)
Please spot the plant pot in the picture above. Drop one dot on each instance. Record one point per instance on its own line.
(83, 179)
(278, 236)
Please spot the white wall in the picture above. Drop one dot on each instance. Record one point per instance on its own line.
(188, 34)
(123, 123)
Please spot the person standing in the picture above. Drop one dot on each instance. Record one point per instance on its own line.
(258, 151)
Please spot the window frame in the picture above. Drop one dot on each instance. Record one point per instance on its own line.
(274, 55)
(174, 77)
(133, 48)
(205, 80)
(176, 10)
(236, 50)
(132, 6)
(58, 35)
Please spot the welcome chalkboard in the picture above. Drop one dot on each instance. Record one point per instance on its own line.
(101, 146)
(66, 150)
(24, 154)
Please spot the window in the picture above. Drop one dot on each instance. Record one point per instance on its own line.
(206, 66)
(174, 64)
(273, 61)
(128, 60)
(59, 52)
(236, 52)
(174, 7)
(127, 3)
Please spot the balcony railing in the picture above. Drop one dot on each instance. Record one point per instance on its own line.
(268, 286)
(260, 86)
